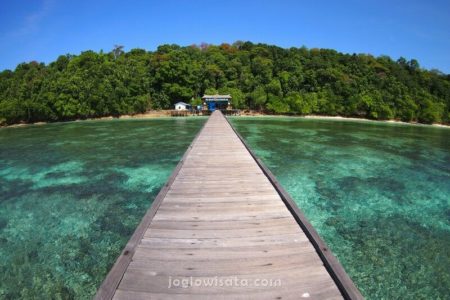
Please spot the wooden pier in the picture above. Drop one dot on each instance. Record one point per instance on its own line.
(180, 113)
(223, 228)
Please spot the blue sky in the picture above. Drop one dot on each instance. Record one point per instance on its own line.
(44, 29)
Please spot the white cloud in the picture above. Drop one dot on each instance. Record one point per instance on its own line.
(32, 22)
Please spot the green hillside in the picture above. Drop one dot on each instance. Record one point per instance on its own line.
(258, 76)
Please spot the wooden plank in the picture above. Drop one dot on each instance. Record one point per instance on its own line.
(227, 267)
(221, 216)
(224, 233)
(241, 252)
(157, 242)
(227, 198)
(292, 294)
(236, 210)
(222, 205)
(309, 279)
(222, 225)
(243, 216)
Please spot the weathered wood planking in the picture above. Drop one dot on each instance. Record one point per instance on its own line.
(223, 216)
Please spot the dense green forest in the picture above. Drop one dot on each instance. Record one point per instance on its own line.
(258, 76)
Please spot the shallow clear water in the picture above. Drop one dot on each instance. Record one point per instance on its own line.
(72, 194)
(378, 194)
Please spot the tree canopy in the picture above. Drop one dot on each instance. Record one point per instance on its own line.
(258, 76)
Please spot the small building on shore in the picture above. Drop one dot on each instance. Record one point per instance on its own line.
(213, 102)
(182, 106)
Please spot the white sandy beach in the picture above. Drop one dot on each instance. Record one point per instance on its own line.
(166, 113)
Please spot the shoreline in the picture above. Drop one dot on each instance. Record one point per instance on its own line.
(167, 114)
(375, 121)
(324, 117)
(147, 115)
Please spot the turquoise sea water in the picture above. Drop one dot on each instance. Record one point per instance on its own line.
(72, 194)
(378, 194)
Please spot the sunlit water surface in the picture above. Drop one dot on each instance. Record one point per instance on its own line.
(72, 194)
(378, 194)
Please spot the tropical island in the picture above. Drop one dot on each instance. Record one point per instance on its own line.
(260, 77)
(225, 150)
